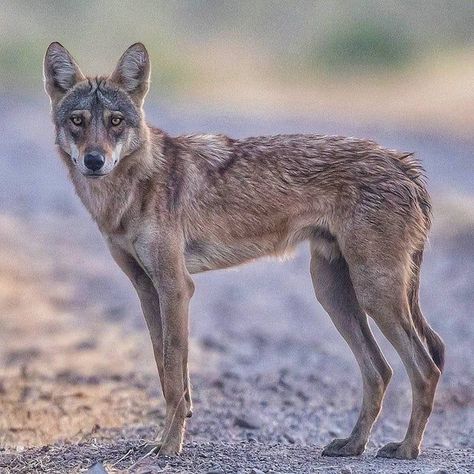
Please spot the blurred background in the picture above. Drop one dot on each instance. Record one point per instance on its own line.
(75, 361)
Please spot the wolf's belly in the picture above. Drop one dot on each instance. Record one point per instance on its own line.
(201, 256)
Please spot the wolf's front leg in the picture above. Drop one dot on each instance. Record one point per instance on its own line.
(175, 289)
(150, 303)
(174, 302)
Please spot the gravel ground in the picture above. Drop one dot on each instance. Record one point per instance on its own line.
(273, 381)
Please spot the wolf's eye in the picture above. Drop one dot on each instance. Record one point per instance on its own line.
(115, 121)
(76, 120)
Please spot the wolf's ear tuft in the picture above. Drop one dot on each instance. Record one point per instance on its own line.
(133, 72)
(60, 70)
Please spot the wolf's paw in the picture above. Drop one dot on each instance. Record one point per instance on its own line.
(400, 450)
(344, 447)
(171, 447)
(148, 448)
(157, 448)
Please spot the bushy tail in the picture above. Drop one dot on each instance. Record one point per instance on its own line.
(434, 343)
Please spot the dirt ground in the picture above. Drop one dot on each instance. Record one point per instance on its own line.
(273, 381)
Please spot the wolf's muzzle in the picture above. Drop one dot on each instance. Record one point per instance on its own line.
(94, 161)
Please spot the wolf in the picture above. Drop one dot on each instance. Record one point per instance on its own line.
(169, 207)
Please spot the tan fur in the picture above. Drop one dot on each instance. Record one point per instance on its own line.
(170, 207)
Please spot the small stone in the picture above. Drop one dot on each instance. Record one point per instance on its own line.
(283, 383)
(97, 468)
(86, 345)
(346, 470)
(218, 383)
(302, 396)
(254, 470)
(245, 423)
(213, 344)
(228, 374)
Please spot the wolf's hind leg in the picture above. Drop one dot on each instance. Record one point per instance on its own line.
(382, 292)
(334, 290)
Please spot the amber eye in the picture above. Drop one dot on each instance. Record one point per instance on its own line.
(115, 121)
(76, 120)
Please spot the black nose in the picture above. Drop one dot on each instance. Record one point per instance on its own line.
(94, 161)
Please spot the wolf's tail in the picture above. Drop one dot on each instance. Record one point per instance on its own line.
(434, 343)
(416, 173)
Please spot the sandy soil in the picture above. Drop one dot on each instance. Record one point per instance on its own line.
(273, 381)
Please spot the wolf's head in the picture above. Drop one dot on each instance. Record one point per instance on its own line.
(99, 121)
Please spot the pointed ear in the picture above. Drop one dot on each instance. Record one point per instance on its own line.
(133, 72)
(60, 71)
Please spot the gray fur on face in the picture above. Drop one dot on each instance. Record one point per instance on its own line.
(96, 94)
(99, 99)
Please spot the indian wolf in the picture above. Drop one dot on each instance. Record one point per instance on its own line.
(169, 207)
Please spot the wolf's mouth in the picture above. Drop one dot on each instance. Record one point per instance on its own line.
(94, 175)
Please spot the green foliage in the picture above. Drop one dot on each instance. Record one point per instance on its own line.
(364, 44)
(17, 59)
